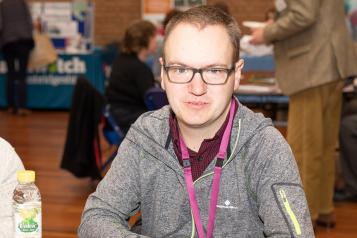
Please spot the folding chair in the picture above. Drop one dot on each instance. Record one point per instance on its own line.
(89, 118)
(112, 133)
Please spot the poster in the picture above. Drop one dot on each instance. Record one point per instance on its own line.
(68, 24)
(155, 10)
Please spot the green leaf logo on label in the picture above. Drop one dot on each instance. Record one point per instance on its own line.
(28, 226)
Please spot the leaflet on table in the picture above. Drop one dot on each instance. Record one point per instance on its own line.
(258, 89)
(254, 50)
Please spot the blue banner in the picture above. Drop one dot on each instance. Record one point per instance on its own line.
(51, 87)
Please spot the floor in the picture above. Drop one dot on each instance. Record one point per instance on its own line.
(39, 139)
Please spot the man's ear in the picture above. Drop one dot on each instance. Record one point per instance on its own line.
(162, 73)
(238, 73)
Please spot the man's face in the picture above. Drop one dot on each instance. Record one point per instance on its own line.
(196, 104)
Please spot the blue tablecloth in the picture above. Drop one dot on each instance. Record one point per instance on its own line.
(52, 86)
(259, 64)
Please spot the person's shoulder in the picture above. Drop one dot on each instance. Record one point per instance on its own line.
(5, 146)
(8, 157)
(153, 125)
(131, 61)
(151, 118)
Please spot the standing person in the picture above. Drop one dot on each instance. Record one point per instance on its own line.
(313, 53)
(10, 164)
(17, 42)
(246, 181)
(131, 77)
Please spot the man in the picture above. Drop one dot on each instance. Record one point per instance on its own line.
(16, 42)
(313, 52)
(246, 178)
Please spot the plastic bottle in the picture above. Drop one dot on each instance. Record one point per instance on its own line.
(27, 206)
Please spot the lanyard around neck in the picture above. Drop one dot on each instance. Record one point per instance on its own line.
(216, 179)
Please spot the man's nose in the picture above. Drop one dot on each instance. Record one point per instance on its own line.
(197, 85)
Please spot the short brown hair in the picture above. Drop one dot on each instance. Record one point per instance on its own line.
(203, 16)
(170, 14)
(137, 36)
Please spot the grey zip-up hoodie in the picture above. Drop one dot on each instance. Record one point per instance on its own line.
(260, 191)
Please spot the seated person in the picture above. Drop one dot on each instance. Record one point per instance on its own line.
(10, 164)
(154, 58)
(131, 77)
(246, 179)
(348, 151)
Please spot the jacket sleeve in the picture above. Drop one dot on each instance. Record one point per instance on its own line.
(280, 197)
(10, 164)
(299, 15)
(116, 198)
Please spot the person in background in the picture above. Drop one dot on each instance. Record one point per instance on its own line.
(348, 152)
(313, 53)
(156, 66)
(10, 164)
(246, 181)
(16, 43)
(131, 77)
(348, 149)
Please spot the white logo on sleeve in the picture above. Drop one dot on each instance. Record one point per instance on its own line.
(227, 205)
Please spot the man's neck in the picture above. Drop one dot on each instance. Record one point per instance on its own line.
(193, 137)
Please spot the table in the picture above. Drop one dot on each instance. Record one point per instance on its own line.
(264, 94)
(265, 98)
(51, 87)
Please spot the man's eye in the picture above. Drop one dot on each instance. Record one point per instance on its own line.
(179, 70)
(215, 71)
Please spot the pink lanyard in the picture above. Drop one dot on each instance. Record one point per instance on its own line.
(216, 179)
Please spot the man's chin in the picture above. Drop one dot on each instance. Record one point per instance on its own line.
(199, 123)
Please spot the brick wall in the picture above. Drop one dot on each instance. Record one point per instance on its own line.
(112, 16)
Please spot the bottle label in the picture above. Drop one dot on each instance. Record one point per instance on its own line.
(28, 219)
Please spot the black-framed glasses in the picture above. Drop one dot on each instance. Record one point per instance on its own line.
(212, 76)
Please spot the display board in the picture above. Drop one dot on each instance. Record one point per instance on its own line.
(68, 24)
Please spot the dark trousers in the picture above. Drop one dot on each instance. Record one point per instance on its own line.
(16, 55)
(348, 152)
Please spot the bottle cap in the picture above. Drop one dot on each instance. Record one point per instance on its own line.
(25, 176)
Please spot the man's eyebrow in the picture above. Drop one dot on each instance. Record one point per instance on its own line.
(215, 65)
(177, 63)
